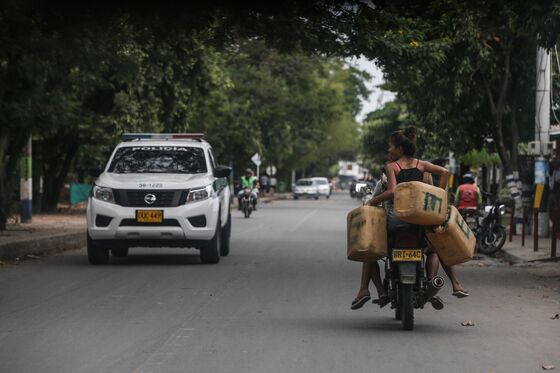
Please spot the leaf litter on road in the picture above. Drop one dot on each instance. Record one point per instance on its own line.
(467, 323)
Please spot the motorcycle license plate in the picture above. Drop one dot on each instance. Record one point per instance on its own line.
(407, 255)
(149, 216)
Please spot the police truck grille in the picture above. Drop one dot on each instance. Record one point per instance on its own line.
(137, 198)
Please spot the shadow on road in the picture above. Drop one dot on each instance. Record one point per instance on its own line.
(360, 325)
(156, 259)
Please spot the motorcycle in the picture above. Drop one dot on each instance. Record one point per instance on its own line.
(405, 277)
(247, 202)
(405, 280)
(490, 233)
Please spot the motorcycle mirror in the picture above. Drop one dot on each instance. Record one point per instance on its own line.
(360, 186)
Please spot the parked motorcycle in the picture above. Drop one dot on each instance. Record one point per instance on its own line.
(490, 233)
(405, 279)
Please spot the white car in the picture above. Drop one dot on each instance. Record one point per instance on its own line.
(323, 186)
(312, 187)
(160, 190)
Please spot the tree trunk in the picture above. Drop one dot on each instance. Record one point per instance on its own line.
(11, 147)
(501, 148)
(514, 138)
(498, 107)
(55, 170)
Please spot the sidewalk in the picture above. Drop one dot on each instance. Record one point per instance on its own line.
(46, 234)
(513, 251)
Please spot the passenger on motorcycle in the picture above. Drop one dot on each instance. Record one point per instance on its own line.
(248, 181)
(468, 194)
(403, 167)
(458, 290)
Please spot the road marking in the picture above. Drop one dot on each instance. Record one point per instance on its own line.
(306, 217)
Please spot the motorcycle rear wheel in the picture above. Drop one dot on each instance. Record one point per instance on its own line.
(407, 306)
(398, 310)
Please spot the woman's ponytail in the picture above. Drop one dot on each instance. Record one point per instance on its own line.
(405, 139)
(410, 132)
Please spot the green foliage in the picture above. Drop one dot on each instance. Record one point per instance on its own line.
(478, 158)
(78, 87)
(463, 69)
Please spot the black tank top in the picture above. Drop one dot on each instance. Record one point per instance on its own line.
(409, 174)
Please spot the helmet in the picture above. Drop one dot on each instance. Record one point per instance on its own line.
(468, 178)
(248, 171)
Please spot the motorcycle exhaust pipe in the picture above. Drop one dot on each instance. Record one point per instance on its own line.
(434, 286)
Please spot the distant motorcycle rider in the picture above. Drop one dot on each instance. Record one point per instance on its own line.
(468, 194)
(248, 181)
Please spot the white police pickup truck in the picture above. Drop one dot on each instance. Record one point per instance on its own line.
(160, 190)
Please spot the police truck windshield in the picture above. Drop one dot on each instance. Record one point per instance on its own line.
(158, 160)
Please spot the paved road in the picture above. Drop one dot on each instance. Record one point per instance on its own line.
(279, 303)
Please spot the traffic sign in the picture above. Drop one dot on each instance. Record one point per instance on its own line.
(271, 170)
(256, 159)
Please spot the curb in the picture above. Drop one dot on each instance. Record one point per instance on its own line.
(43, 245)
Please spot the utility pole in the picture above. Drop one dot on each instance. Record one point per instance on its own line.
(542, 140)
(26, 184)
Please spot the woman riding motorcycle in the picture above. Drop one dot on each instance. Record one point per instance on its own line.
(403, 167)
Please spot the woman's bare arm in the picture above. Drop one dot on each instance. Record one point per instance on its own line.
(438, 170)
(391, 184)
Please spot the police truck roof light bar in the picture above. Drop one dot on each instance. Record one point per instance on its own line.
(162, 136)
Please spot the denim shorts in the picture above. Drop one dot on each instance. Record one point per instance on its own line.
(393, 222)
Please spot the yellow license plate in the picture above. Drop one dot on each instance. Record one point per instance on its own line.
(149, 216)
(407, 255)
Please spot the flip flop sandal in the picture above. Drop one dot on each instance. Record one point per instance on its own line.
(359, 302)
(461, 294)
(382, 301)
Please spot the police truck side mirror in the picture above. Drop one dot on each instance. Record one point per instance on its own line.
(222, 171)
(95, 171)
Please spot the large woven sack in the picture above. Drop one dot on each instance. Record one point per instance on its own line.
(420, 203)
(453, 241)
(367, 234)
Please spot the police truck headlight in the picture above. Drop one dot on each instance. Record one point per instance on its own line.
(200, 194)
(103, 194)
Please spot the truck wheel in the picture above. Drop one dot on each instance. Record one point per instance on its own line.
(226, 234)
(120, 252)
(210, 253)
(97, 253)
(407, 306)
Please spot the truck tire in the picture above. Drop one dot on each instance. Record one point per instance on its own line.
(98, 254)
(210, 253)
(226, 234)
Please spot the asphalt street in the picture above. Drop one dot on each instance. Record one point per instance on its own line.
(279, 303)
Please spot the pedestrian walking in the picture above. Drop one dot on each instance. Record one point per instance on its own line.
(265, 184)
